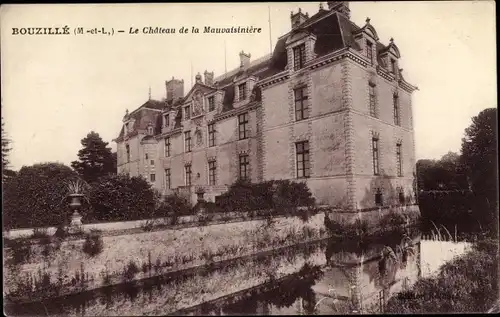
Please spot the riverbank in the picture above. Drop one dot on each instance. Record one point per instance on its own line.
(467, 284)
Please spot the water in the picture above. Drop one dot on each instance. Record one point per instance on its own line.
(328, 277)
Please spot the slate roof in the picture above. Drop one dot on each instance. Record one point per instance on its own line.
(333, 31)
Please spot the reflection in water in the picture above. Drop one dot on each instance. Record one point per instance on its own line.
(330, 277)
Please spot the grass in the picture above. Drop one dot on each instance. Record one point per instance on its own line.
(468, 284)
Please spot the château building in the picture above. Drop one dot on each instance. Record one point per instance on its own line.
(329, 107)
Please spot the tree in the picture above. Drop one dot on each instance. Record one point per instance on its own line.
(95, 158)
(6, 172)
(35, 196)
(444, 174)
(480, 157)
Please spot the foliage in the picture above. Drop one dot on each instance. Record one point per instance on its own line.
(445, 174)
(480, 158)
(93, 244)
(173, 204)
(121, 198)
(21, 250)
(35, 196)
(275, 194)
(466, 284)
(130, 270)
(94, 159)
(6, 172)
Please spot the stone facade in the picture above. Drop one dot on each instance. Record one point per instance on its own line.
(308, 112)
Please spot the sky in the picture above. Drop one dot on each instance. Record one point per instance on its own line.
(56, 89)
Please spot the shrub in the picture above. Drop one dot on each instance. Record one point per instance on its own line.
(34, 197)
(21, 251)
(275, 194)
(93, 244)
(122, 198)
(130, 270)
(173, 204)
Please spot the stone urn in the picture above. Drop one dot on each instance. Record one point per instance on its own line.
(200, 205)
(75, 204)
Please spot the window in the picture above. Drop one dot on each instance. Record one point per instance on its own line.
(150, 130)
(211, 103)
(399, 160)
(393, 66)
(166, 120)
(401, 197)
(375, 156)
(152, 177)
(167, 147)
(301, 106)
(395, 101)
(243, 126)
(369, 51)
(146, 156)
(187, 113)
(152, 162)
(167, 178)
(188, 173)
(187, 141)
(299, 56)
(378, 198)
(372, 102)
(244, 166)
(302, 154)
(242, 91)
(212, 170)
(211, 134)
(127, 148)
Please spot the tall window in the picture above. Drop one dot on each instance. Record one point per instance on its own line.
(211, 103)
(150, 130)
(188, 173)
(243, 126)
(301, 105)
(372, 96)
(152, 162)
(127, 148)
(146, 156)
(369, 51)
(152, 177)
(211, 134)
(212, 170)
(187, 113)
(393, 66)
(242, 91)
(375, 156)
(166, 119)
(399, 160)
(395, 101)
(167, 178)
(302, 153)
(187, 141)
(378, 198)
(299, 56)
(167, 147)
(244, 166)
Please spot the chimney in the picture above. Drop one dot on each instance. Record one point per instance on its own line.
(198, 78)
(175, 89)
(298, 18)
(244, 60)
(209, 78)
(340, 6)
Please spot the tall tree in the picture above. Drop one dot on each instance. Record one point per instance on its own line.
(95, 158)
(480, 158)
(6, 172)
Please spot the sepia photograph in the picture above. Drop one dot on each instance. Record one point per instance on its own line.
(280, 158)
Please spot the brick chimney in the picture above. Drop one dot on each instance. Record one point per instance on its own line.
(341, 7)
(175, 89)
(209, 78)
(244, 60)
(298, 18)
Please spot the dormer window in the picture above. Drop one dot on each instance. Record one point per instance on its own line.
(242, 91)
(393, 66)
(299, 56)
(369, 51)
(150, 130)
(211, 103)
(187, 113)
(166, 120)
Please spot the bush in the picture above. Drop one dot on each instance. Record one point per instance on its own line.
(121, 198)
(130, 270)
(275, 194)
(21, 251)
(35, 196)
(93, 244)
(173, 204)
